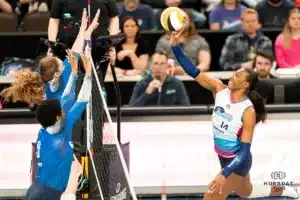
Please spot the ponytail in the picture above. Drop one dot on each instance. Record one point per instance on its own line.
(27, 87)
(259, 105)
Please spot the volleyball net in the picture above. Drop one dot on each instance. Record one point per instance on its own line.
(108, 170)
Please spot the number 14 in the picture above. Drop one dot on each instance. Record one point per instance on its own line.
(224, 126)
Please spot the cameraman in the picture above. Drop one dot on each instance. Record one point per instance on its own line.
(65, 19)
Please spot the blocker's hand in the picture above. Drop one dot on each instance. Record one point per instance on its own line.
(73, 61)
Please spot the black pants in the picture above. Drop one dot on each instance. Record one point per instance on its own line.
(39, 192)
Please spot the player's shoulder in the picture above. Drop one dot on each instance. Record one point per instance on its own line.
(247, 107)
(223, 90)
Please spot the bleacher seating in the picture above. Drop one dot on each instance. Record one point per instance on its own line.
(36, 21)
(8, 22)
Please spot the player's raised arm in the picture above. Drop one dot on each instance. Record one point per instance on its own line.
(84, 32)
(68, 96)
(204, 80)
(84, 95)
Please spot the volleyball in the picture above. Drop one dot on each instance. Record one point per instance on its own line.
(172, 19)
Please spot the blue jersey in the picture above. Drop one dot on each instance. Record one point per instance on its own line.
(54, 147)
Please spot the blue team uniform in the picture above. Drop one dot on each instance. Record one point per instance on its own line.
(54, 146)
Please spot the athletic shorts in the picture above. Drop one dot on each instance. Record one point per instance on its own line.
(39, 192)
(242, 170)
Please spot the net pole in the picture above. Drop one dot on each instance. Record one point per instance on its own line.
(123, 162)
(118, 97)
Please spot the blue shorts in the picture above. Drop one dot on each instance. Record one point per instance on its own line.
(242, 170)
(39, 192)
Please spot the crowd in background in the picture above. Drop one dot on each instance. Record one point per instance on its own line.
(247, 47)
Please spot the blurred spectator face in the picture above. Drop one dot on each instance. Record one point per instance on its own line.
(172, 3)
(250, 21)
(131, 5)
(263, 66)
(294, 20)
(158, 65)
(189, 28)
(229, 2)
(130, 28)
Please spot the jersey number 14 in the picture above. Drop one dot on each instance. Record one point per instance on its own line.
(224, 126)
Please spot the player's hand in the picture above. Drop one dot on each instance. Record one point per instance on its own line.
(175, 36)
(85, 57)
(124, 53)
(216, 186)
(92, 26)
(84, 19)
(153, 85)
(73, 61)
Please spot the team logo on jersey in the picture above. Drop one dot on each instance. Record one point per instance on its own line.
(221, 112)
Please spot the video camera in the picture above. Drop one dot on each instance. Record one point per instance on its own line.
(57, 48)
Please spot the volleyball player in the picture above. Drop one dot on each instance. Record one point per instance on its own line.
(54, 143)
(50, 82)
(238, 108)
(32, 87)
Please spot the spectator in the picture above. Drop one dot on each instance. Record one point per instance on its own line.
(14, 6)
(198, 17)
(159, 88)
(142, 12)
(226, 16)
(239, 49)
(263, 62)
(272, 13)
(132, 52)
(287, 44)
(194, 46)
(40, 5)
(6, 6)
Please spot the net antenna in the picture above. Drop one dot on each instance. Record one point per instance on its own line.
(109, 41)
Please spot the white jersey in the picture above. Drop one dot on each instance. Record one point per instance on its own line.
(227, 123)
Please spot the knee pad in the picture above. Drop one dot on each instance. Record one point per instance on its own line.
(68, 197)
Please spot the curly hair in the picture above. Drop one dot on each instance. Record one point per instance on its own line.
(27, 87)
